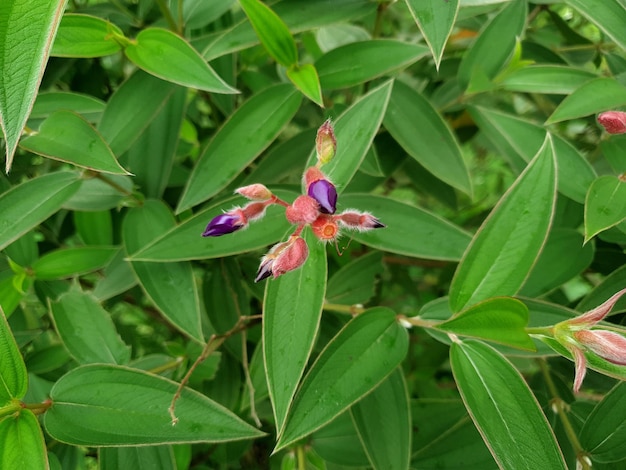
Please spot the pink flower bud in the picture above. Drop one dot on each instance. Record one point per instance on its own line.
(304, 210)
(325, 228)
(253, 211)
(224, 224)
(325, 142)
(313, 174)
(613, 121)
(597, 314)
(282, 258)
(606, 344)
(361, 221)
(255, 192)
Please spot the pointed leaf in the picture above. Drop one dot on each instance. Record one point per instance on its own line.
(87, 330)
(68, 262)
(87, 410)
(355, 361)
(86, 36)
(48, 102)
(27, 31)
(507, 244)
(23, 445)
(168, 56)
(26, 205)
(605, 205)
(240, 140)
(13, 374)
(435, 21)
(272, 32)
(501, 320)
(417, 126)
(292, 310)
(383, 421)
(171, 286)
(355, 282)
(503, 408)
(608, 15)
(305, 79)
(137, 458)
(557, 79)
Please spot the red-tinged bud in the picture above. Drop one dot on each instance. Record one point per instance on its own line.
(606, 344)
(325, 142)
(361, 221)
(325, 228)
(282, 258)
(304, 210)
(312, 175)
(255, 192)
(597, 314)
(254, 211)
(580, 363)
(613, 121)
(224, 224)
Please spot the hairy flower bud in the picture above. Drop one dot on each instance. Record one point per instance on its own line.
(283, 257)
(324, 192)
(255, 192)
(225, 223)
(361, 221)
(304, 210)
(606, 344)
(325, 142)
(613, 121)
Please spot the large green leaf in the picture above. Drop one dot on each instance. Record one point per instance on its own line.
(87, 330)
(91, 404)
(26, 205)
(86, 36)
(27, 31)
(23, 445)
(417, 126)
(355, 282)
(239, 141)
(504, 409)
(168, 56)
(605, 205)
(137, 458)
(556, 79)
(292, 310)
(608, 15)
(383, 421)
(171, 286)
(68, 262)
(13, 374)
(355, 361)
(507, 244)
(49, 102)
(435, 20)
(408, 230)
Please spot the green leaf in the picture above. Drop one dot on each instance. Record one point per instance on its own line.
(92, 403)
(102, 193)
(305, 78)
(610, 285)
(68, 137)
(555, 79)
(594, 96)
(171, 286)
(136, 458)
(417, 126)
(26, 31)
(87, 330)
(26, 205)
(68, 262)
(23, 445)
(519, 140)
(355, 361)
(608, 15)
(493, 46)
(605, 205)
(603, 435)
(292, 310)
(94, 228)
(363, 61)
(47, 103)
(435, 20)
(501, 319)
(383, 421)
(504, 249)
(409, 230)
(13, 373)
(503, 408)
(118, 278)
(272, 31)
(240, 140)
(131, 108)
(86, 36)
(339, 443)
(355, 282)
(168, 56)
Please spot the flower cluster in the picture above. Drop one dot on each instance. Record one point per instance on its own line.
(315, 209)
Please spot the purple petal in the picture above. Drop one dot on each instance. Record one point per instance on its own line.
(265, 270)
(223, 224)
(324, 192)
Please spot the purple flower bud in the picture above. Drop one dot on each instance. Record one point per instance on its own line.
(223, 224)
(324, 192)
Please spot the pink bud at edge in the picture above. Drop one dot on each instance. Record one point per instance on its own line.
(606, 344)
(613, 121)
(325, 142)
(361, 221)
(291, 257)
(597, 314)
(255, 192)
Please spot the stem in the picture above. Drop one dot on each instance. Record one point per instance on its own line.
(301, 457)
(246, 372)
(418, 321)
(180, 27)
(276, 200)
(341, 308)
(560, 406)
(540, 330)
(167, 14)
(39, 408)
(167, 366)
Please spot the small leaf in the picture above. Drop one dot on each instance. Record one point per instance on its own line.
(87, 330)
(501, 319)
(168, 56)
(435, 21)
(605, 205)
(608, 15)
(507, 244)
(292, 310)
(503, 408)
(68, 262)
(87, 410)
(86, 36)
(600, 94)
(27, 31)
(355, 361)
(305, 79)
(272, 31)
(68, 137)
(13, 373)
(26, 205)
(23, 445)
(355, 282)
